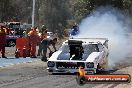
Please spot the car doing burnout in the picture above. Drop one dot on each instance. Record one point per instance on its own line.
(88, 53)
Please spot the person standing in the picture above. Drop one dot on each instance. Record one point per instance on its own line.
(74, 30)
(33, 40)
(44, 31)
(45, 45)
(2, 41)
(44, 34)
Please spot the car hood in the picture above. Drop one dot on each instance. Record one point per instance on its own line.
(54, 56)
(92, 56)
(60, 56)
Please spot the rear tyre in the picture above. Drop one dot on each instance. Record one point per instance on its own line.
(11, 43)
(98, 69)
(81, 80)
(105, 65)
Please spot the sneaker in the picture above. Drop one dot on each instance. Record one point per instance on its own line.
(4, 57)
(44, 59)
(38, 55)
(33, 57)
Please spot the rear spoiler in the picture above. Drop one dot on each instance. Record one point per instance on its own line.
(92, 38)
(74, 42)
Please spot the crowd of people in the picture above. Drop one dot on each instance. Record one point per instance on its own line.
(42, 41)
(34, 39)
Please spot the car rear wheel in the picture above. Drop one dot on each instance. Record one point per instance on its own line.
(105, 66)
(98, 69)
(11, 43)
(81, 80)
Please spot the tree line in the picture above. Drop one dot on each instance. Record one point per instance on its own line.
(56, 14)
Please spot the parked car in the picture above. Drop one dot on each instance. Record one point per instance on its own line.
(11, 40)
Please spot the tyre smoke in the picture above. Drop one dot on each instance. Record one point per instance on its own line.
(108, 23)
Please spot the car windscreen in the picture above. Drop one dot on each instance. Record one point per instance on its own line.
(64, 48)
(88, 49)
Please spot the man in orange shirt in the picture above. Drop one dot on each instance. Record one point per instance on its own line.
(33, 40)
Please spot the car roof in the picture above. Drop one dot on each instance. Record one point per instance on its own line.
(89, 40)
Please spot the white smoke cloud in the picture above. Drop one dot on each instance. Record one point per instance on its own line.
(107, 23)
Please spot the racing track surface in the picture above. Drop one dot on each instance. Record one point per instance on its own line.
(35, 75)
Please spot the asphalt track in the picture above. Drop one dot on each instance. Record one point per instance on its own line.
(35, 75)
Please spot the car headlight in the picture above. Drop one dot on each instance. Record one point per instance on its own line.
(90, 65)
(50, 64)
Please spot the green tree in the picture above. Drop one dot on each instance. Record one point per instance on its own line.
(54, 14)
(5, 9)
(84, 7)
(127, 6)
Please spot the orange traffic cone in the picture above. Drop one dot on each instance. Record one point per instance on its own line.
(17, 53)
(24, 52)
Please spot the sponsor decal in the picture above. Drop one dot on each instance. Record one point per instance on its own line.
(83, 78)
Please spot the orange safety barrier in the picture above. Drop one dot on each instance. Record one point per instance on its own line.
(22, 43)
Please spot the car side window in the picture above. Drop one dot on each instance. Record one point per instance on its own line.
(106, 44)
(64, 48)
(101, 47)
(90, 48)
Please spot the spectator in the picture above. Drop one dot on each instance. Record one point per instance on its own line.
(45, 43)
(44, 31)
(74, 30)
(2, 41)
(33, 40)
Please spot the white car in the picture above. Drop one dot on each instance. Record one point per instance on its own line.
(89, 53)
